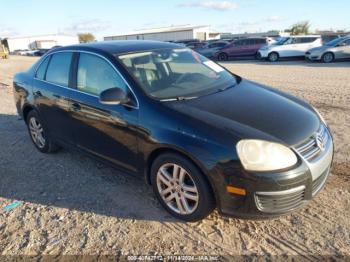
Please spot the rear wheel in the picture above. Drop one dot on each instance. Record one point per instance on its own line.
(328, 57)
(223, 57)
(181, 188)
(273, 57)
(38, 134)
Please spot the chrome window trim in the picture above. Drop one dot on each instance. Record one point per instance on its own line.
(74, 89)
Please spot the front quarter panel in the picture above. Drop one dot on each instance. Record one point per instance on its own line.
(165, 129)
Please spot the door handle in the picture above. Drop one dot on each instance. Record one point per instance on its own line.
(75, 107)
(38, 93)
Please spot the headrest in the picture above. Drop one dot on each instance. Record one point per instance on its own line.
(141, 60)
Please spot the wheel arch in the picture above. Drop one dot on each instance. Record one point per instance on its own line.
(25, 111)
(276, 52)
(162, 150)
(224, 53)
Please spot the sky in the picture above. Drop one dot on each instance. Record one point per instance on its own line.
(112, 17)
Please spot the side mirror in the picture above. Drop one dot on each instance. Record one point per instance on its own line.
(114, 96)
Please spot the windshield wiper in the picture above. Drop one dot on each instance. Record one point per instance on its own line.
(179, 98)
(185, 97)
(224, 88)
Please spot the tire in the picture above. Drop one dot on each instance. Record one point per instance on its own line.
(273, 57)
(38, 134)
(201, 201)
(222, 57)
(258, 56)
(327, 57)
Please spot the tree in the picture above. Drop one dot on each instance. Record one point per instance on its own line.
(86, 37)
(301, 28)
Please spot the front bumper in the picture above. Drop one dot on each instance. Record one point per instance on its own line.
(313, 56)
(263, 53)
(274, 193)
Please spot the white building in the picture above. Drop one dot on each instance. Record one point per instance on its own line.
(172, 33)
(42, 41)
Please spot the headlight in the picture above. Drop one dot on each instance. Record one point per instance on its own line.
(320, 116)
(260, 155)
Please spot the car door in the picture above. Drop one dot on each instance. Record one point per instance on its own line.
(107, 131)
(236, 48)
(290, 48)
(305, 44)
(51, 94)
(252, 46)
(343, 50)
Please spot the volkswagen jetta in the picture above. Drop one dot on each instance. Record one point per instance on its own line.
(203, 137)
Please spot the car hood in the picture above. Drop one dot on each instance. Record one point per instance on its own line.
(250, 110)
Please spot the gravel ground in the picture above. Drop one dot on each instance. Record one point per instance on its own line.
(71, 204)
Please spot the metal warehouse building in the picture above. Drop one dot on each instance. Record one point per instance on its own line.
(42, 41)
(172, 33)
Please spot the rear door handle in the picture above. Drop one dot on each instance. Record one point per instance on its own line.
(75, 107)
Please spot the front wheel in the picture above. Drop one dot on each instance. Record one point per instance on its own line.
(181, 188)
(38, 134)
(328, 57)
(222, 57)
(273, 57)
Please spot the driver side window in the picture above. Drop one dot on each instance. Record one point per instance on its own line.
(96, 75)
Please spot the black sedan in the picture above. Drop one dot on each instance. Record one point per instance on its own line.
(203, 137)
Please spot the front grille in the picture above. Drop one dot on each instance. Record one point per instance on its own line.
(318, 183)
(280, 201)
(313, 146)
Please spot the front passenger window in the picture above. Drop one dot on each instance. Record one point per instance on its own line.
(96, 75)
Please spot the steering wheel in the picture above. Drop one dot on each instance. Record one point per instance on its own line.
(182, 77)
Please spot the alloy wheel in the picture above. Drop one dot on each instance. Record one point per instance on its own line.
(273, 57)
(37, 132)
(177, 189)
(328, 57)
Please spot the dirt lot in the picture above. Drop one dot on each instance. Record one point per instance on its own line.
(72, 204)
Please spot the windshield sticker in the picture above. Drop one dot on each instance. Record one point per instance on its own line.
(196, 57)
(213, 66)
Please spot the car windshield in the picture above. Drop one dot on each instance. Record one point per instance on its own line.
(334, 42)
(282, 40)
(176, 73)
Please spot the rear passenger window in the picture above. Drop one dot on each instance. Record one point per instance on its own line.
(40, 73)
(96, 75)
(307, 39)
(58, 70)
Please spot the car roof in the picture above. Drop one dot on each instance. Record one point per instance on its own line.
(120, 46)
(296, 36)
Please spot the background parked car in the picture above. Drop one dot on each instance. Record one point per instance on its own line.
(293, 46)
(211, 48)
(195, 45)
(338, 48)
(240, 48)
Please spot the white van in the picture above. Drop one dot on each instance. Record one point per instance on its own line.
(291, 46)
